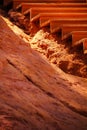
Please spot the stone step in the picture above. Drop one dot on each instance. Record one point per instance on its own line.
(44, 17)
(17, 2)
(76, 37)
(55, 24)
(35, 11)
(25, 6)
(66, 29)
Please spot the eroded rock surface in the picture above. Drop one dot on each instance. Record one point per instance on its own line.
(70, 59)
(35, 95)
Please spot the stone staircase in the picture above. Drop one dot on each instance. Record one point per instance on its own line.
(66, 16)
(16, 2)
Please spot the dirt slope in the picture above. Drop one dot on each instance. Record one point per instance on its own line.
(70, 59)
(35, 95)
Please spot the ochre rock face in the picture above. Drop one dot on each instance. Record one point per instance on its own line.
(33, 94)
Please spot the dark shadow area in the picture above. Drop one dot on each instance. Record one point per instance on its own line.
(8, 7)
(1, 2)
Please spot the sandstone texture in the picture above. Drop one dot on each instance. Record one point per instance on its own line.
(34, 94)
(70, 59)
